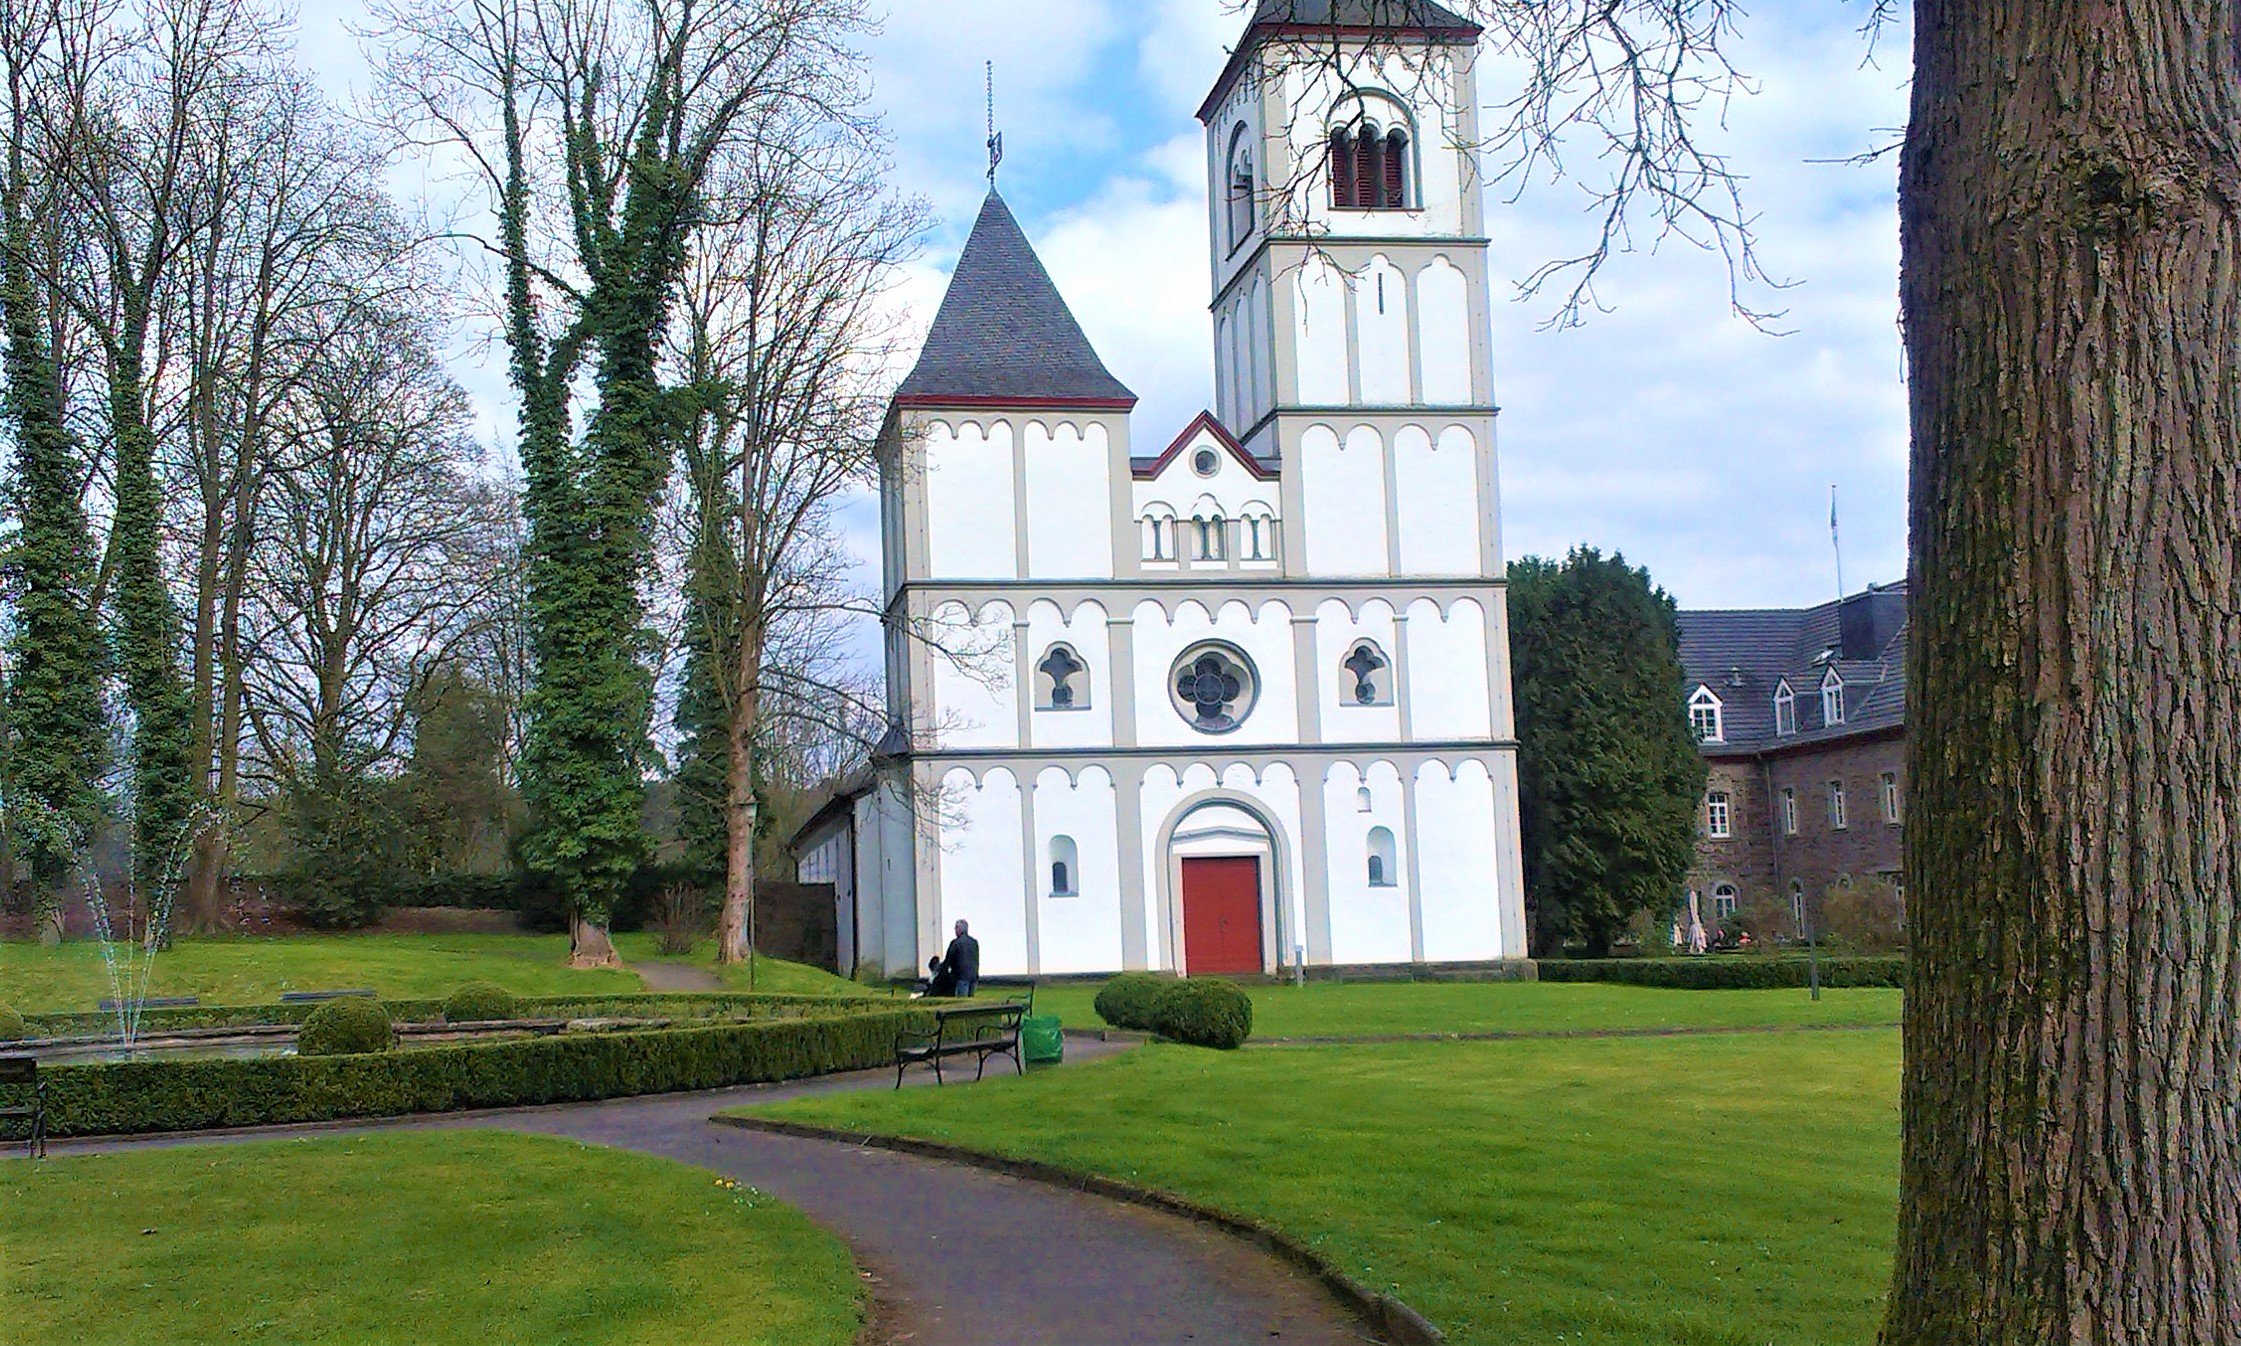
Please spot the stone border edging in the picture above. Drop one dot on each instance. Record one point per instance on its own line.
(1401, 1324)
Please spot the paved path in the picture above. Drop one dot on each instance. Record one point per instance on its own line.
(667, 976)
(956, 1256)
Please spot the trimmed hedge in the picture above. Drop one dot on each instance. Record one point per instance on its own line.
(1204, 1012)
(1721, 972)
(1126, 1001)
(12, 1027)
(89, 1023)
(346, 1028)
(481, 1002)
(202, 1093)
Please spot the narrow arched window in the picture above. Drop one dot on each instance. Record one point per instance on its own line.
(1362, 802)
(1343, 178)
(1369, 166)
(1382, 856)
(1394, 178)
(1065, 865)
(1211, 534)
(1242, 187)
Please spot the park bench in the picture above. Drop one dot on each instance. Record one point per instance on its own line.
(308, 997)
(22, 1072)
(979, 1029)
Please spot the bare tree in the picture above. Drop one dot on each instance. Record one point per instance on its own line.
(783, 353)
(376, 547)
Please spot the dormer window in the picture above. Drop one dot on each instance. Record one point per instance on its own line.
(1832, 698)
(1785, 708)
(1705, 716)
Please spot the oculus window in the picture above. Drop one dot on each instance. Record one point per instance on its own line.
(1213, 687)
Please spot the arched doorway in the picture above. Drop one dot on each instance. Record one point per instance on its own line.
(1222, 863)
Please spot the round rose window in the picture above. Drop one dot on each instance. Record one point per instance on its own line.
(1213, 687)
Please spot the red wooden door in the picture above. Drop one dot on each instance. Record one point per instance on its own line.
(1221, 915)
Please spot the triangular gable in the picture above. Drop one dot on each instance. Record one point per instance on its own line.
(1206, 425)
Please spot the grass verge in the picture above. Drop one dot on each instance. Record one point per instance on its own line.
(424, 1238)
(1716, 1191)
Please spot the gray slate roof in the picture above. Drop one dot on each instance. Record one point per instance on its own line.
(1743, 656)
(1360, 13)
(1003, 331)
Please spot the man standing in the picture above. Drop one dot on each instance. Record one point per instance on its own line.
(962, 962)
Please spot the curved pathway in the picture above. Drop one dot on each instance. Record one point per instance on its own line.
(956, 1256)
(664, 975)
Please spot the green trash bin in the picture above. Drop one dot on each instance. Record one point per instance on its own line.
(1042, 1040)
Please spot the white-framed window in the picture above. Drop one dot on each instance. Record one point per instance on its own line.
(1259, 535)
(1372, 164)
(1383, 858)
(1832, 698)
(1159, 537)
(1242, 187)
(1716, 821)
(1207, 543)
(1061, 680)
(1723, 902)
(1065, 867)
(1785, 708)
(1836, 805)
(1706, 717)
(1789, 811)
(1891, 797)
(1797, 903)
(1365, 676)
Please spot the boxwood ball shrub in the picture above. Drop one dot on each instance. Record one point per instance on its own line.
(1204, 1012)
(1126, 1001)
(481, 1002)
(11, 1025)
(347, 1027)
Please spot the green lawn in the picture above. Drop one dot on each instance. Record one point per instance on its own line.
(252, 970)
(772, 975)
(1325, 1009)
(474, 1237)
(1706, 1191)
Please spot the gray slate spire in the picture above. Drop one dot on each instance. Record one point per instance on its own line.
(1003, 334)
(1359, 13)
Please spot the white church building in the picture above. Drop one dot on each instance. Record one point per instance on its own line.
(1237, 700)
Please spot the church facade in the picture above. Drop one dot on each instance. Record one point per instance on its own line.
(1238, 700)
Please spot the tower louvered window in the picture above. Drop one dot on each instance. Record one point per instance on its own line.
(1370, 168)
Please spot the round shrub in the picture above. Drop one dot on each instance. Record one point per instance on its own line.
(481, 1002)
(12, 1027)
(346, 1028)
(1204, 1012)
(1126, 1001)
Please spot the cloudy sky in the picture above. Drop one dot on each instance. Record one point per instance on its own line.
(1666, 428)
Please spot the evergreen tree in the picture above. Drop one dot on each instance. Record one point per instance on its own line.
(54, 697)
(1609, 774)
(703, 745)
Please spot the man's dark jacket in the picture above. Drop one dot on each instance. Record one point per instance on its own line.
(963, 959)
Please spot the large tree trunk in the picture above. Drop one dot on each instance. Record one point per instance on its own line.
(735, 931)
(2071, 230)
(589, 944)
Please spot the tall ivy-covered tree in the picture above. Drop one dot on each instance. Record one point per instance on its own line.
(54, 691)
(596, 128)
(1608, 772)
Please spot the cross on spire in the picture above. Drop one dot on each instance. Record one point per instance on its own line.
(995, 139)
